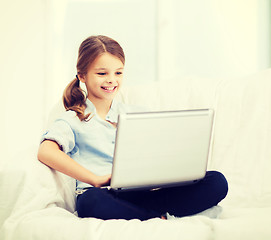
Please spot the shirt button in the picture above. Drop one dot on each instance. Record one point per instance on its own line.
(113, 142)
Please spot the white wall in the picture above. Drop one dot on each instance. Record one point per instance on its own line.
(164, 40)
(213, 38)
(22, 73)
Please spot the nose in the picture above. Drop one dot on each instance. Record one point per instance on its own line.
(110, 79)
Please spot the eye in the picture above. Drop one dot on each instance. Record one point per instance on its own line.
(101, 73)
(118, 73)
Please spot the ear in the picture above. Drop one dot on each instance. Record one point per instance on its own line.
(82, 77)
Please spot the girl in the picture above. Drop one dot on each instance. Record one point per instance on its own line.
(81, 144)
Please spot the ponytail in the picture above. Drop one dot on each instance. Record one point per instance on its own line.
(74, 99)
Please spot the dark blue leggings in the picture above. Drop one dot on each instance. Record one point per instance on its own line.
(178, 201)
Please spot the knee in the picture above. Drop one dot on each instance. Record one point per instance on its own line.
(219, 183)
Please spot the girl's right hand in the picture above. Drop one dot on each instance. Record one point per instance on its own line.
(102, 180)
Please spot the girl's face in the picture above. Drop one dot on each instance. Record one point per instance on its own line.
(104, 77)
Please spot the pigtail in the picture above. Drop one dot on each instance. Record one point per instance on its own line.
(74, 99)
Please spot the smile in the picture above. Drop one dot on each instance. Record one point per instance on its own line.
(109, 89)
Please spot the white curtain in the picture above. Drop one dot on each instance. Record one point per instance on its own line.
(164, 40)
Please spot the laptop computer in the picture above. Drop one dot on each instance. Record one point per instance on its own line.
(161, 149)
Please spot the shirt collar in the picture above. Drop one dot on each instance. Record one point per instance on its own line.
(113, 113)
(90, 107)
(111, 116)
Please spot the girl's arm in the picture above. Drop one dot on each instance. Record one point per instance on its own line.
(50, 154)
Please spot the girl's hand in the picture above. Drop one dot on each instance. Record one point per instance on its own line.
(102, 180)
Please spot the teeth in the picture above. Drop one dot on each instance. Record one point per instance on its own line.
(108, 88)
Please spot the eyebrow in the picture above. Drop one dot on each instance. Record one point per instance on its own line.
(96, 69)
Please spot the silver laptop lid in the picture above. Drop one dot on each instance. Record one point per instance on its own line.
(161, 148)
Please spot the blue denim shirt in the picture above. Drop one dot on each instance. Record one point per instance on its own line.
(90, 143)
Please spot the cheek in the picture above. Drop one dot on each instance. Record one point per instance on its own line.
(93, 82)
(120, 80)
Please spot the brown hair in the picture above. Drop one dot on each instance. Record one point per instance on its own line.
(74, 98)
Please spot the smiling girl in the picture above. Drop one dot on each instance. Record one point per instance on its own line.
(81, 144)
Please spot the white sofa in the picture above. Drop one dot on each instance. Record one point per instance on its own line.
(38, 203)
